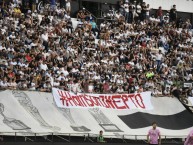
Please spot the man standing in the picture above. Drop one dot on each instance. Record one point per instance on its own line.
(138, 10)
(189, 139)
(173, 14)
(159, 57)
(94, 27)
(153, 135)
(45, 39)
(100, 138)
(160, 13)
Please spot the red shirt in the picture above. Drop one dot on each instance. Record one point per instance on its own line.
(28, 58)
(130, 80)
(106, 87)
(159, 13)
(11, 74)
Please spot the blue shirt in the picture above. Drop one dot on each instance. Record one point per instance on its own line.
(93, 25)
(53, 2)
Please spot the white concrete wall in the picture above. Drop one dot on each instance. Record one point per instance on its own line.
(181, 5)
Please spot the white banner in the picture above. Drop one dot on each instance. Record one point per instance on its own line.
(191, 100)
(181, 5)
(65, 99)
(187, 85)
(30, 112)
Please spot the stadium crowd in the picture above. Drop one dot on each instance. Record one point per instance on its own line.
(132, 52)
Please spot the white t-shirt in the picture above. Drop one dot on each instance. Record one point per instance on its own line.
(90, 88)
(74, 70)
(67, 16)
(43, 66)
(66, 73)
(13, 63)
(138, 9)
(126, 6)
(3, 84)
(159, 56)
(166, 91)
(56, 84)
(147, 12)
(120, 90)
(44, 37)
(67, 4)
(1, 48)
(76, 87)
(33, 86)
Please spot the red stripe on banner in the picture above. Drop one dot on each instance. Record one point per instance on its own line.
(139, 101)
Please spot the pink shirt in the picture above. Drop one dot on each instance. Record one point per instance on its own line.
(154, 135)
(189, 140)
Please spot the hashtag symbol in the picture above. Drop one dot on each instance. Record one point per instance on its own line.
(63, 97)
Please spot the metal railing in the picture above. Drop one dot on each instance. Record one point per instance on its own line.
(81, 137)
(98, 19)
(90, 13)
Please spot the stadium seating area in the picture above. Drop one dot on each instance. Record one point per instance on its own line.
(130, 51)
(134, 52)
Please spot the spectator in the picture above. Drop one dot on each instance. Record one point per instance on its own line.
(94, 28)
(120, 89)
(44, 37)
(68, 6)
(126, 10)
(139, 10)
(38, 51)
(130, 15)
(189, 138)
(143, 11)
(100, 138)
(159, 59)
(160, 13)
(154, 135)
(173, 14)
(147, 11)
